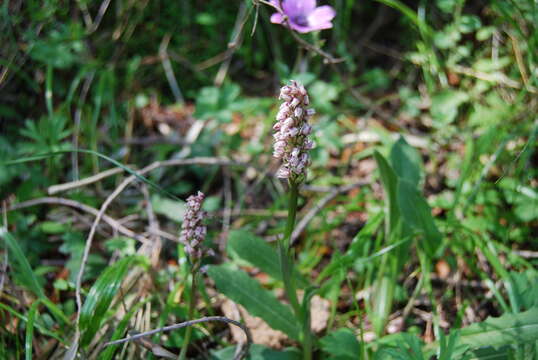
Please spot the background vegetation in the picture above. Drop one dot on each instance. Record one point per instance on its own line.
(420, 213)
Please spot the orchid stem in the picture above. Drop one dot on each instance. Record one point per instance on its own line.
(192, 304)
(286, 267)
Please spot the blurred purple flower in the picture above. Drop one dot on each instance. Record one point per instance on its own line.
(303, 15)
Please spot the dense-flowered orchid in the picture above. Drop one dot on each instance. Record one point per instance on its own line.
(303, 15)
(292, 141)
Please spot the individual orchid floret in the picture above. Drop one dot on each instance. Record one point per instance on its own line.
(303, 15)
(193, 230)
(291, 132)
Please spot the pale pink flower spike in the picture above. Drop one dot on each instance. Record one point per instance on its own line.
(292, 131)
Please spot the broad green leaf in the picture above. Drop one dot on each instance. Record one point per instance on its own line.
(390, 182)
(505, 330)
(100, 297)
(258, 253)
(341, 344)
(417, 214)
(406, 161)
(241, 288)
(490, 353)
(258, 352)
(525, 287)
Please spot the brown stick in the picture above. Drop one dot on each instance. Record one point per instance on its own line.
(240, 355)
(115, 224)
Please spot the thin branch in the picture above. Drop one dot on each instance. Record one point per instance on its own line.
(99, 16)
(54, 189)
(301, 225)
(115, 224)
(496, 77)
(235, 42)
(240, 355)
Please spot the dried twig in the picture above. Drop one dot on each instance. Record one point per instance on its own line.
(99, 16)
(54, 189)
(115, 224)
(240, 355)
(235, 42)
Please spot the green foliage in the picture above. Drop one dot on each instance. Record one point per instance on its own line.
(258, 253)
(23, 270)
(341, 344)
(241, 288)
(417, 214)
(456, 78)
(508, 329)
(217, 103)
(258, 352)
(100, 298)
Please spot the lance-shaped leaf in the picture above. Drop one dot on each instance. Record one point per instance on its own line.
(241, 288)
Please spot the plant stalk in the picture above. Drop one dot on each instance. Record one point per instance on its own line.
(192, 304)
(286, 267)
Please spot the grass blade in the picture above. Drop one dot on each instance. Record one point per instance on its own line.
(24, 271)
(100, 298)
(30, 330)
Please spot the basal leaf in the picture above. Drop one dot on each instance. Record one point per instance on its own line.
(241, 288)
(100, 298)
(416, 213)
(258, 253)
(406, 161)
(390, 182)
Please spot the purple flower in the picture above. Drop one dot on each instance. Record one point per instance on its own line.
(303, 15)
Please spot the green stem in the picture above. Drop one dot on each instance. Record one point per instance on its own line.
(192, 304)
(292, 213)
(286, 267)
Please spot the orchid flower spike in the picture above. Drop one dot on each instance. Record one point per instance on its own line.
(303, 16)
(292, 131)
(193, 230)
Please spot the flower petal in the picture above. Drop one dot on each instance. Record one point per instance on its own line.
(277, 18)
(300, 28)
(321, 16)
(294, 8)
